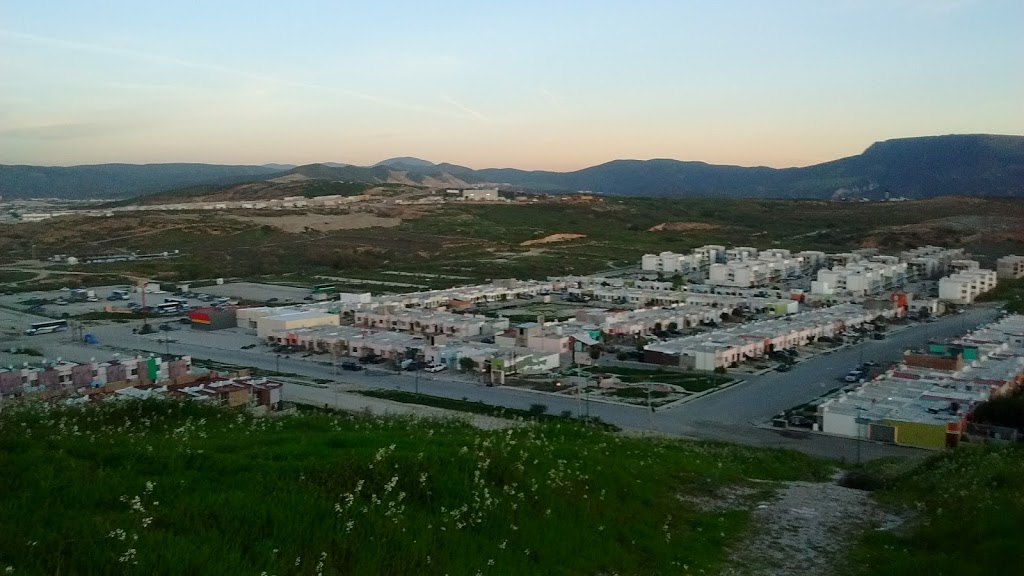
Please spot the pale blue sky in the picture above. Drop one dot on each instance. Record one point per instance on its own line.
(538, 85)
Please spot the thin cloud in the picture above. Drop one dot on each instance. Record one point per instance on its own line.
(473, 113)
(63, 131)
(555, 100)
(182, 63)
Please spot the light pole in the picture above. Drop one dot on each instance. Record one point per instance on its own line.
(860, 421)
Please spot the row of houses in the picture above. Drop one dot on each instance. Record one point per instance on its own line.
(926, 400)
(727, 346)
(432, 349)
(430, 322)
(62, 376)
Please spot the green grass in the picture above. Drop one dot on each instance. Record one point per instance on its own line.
(201, 490)
(11, 276)
(966, 508)
(692, 382)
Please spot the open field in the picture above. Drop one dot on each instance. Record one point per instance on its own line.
(463, 243)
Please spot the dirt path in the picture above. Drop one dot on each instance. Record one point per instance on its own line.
(805, 528)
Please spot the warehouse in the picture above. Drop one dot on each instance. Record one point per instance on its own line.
(278, 323)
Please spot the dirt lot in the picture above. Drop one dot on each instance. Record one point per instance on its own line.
(552, 238)
(683, 227)
(322, 222)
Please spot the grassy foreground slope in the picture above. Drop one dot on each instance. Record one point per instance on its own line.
(967, 513)
(169, 488)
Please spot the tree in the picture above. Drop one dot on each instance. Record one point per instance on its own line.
(595, 352)
(672, 326)
(467, 364)
(640, 343)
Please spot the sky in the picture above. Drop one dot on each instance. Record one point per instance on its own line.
(554, 85)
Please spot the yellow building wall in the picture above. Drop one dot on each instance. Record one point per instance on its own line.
(919, 434)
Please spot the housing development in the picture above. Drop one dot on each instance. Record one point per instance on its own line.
(675, 329)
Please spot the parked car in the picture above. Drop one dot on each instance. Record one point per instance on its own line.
(350, 366)
(783, 368)
(165, 327)
(61, 302)
(879, 336)
(436, 368)
(855, 376)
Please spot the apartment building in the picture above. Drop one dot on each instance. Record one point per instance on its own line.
(1010, 267)
(671, 262)
(740, 273)
(964, 287)
(740, 254)
(859, 279)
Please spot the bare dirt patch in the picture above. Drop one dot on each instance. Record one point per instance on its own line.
(322, 222)
(683, 227)
(805, 529)
(553, 238)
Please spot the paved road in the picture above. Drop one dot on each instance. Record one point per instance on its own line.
(729, 415)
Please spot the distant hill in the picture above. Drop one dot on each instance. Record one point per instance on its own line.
(972, 165)
(117, 180)
(407, 163)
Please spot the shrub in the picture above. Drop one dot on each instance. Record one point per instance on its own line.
(538, 408)
(720, 370)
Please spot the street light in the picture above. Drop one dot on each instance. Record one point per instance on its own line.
(860, 421)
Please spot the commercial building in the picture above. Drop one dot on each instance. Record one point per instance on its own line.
(480, 195)
(276, 323)
(212, 318)
(1010, 267)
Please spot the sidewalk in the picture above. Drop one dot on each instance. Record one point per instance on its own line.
(335, 396)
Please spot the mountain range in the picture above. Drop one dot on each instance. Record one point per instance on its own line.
(923, 167)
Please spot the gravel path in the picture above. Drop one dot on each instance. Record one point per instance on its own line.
(804, 529)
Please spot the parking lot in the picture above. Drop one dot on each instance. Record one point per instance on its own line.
(56, 304)
(256, 292)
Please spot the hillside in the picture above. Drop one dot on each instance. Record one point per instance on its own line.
(179, 488)
(967, 165)
(117, 180)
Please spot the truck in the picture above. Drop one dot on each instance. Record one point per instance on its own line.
(82, 295)
(118, 295)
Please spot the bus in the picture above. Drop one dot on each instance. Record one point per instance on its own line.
(325, 288)
(47, 327)
(168, 308)
(179, 301)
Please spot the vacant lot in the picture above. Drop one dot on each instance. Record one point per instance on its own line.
(477, 242)
(322, 222)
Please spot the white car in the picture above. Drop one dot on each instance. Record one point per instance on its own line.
(435, 368)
